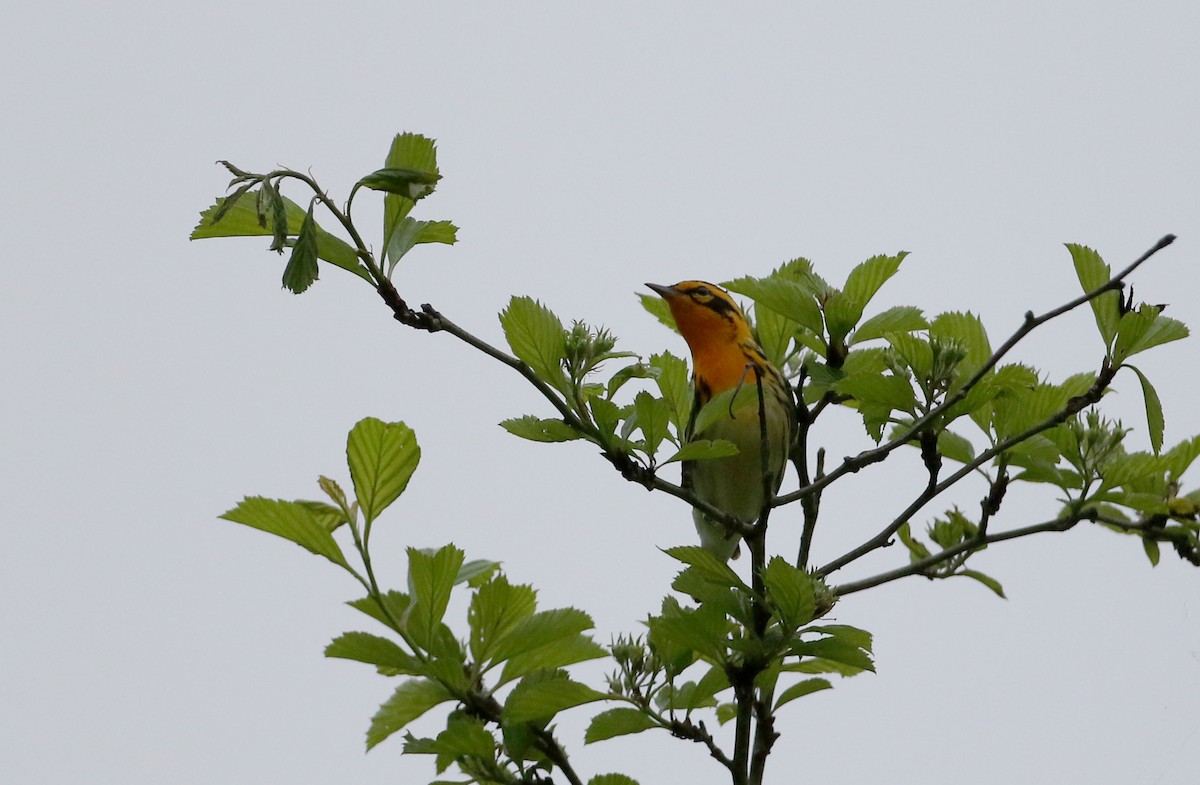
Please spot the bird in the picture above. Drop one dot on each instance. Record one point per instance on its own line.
(727, 358)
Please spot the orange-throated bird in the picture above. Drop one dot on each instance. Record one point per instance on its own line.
(727, 359)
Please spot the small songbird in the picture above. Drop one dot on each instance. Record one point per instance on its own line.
(727, 358)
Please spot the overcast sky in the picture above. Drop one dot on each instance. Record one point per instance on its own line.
(151, 382)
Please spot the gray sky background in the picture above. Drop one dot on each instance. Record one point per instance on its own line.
(151, 383)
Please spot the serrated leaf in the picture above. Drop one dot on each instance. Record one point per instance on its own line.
(889, 392)
(636, 371)
(835, 650)
(916, 548)
(431, 576)
(846, 633)
(900, 319)
(652, 417)
(474, 570)
(703, 631)
(541, 700)
(464, 737)
(612, 779)
(374, 650)
(1181, 456)
(1144, 329)
(726, 712)
(382, 458)
(541, 629)
(703, 450)
(290, 520)
(1152, 551)
(241, 220)
(558, 654)
(1094, 273)
(706, 565)
(410, 700)
(495, 608)
(327, 515)
(536, 337)
(396, 603)
(986, 580)
(1154, 411)
(412, 184)
(844, 309)
(800, 689)
(539, 430)
(791, 299)
(658, 308)
(955, 447)
(790, 592)
(967, 332)
(301, 268)
(617, 722)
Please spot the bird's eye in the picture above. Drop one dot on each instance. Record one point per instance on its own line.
(701, 292)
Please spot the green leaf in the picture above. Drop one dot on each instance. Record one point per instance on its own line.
(867, 278)
(658, 308)
(1154, 410)
(464, 737)
(301, 268)
(638, 370)
(539, 430)
(774, 333)
(327, 515)
(382, 458)
(431, 577)
(966, 331)
(703, 631)
(532, 701)
(410, 700)
(707, 565)
(541, 629)
(374, 650)
(652, 417)
(290, 520)
(901, 319)
(889, 392)
(241, 220)
(789, 298)
(496, 607)
(800, 689)
(726, 712)
(917, 549)
(835, 650)
(1094, 273)
(1181, 456)
(537, 338)
(847, 634)
(955, 447)
(612, 779)
(790, 592)
(617, 722)
(412, 184)
(1152, 552)
(986, 580)
(409, 233)
(396, 603)
(558, 654)
(1144, 329)
(475, 571)
(703, 450)
(844, 309)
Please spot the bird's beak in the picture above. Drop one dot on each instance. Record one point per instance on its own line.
(665, 292)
